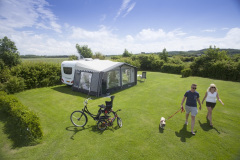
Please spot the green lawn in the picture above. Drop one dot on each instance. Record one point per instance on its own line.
(51, 60)
(140, 138)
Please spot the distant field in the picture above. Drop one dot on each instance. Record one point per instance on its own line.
(140, 137)
(53, 60)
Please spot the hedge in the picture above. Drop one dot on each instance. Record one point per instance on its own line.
(13, 85)
(172, 68)
(224, 70)
(22, 125)
(186, 72)
(37, 75)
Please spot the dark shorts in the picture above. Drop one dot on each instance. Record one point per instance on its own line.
(210, 104)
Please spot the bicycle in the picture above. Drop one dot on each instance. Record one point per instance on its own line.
(79, 118)
(104, 123)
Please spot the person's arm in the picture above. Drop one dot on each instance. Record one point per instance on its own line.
(183, 101)
(204, 97)
(200, 106)
(219, 99)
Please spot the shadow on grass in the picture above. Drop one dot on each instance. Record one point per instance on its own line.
(68, 90)
(75, 130)
(93, 128)
(14, 134)
(206, 127)
(140, 81)
(183, 133)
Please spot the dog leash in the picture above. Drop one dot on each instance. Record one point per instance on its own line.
(181, 109)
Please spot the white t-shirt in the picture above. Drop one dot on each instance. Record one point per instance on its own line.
(211, 97)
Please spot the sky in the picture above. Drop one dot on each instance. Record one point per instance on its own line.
(54, 27)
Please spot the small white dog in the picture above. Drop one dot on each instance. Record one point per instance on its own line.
(162, 122)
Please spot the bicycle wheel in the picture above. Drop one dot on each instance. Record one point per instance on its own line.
(102, 125)
(119, 122)
(79, 119)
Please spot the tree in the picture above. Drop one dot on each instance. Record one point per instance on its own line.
(99, 55)
(164, 55)
(205, 65)
(126, 53)
(214, 54)
(9, 53)
(84, 51)
(72, 57)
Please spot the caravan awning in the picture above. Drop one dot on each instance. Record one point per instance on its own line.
(97, 65)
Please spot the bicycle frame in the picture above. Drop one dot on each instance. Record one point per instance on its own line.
(79, 118)
(111, 120)
(85, 110)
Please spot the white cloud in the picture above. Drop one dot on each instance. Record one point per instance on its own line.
(41, 44)
(27, 13)
(17, 14)
(232, 39)
(17, 18)
(105, 41)
(160, 34)
(130, 8)
(129, 38)
(209, 30)
(125, 8)
(98, 36)
(150, 34)
(225, 28)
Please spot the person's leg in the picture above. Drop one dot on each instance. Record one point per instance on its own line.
(193, 115)
(207, 114)
(207, 105)
(192, 124)
(186, 122)
(210, 114)
(188, 110)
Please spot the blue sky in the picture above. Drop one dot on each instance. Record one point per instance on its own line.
(54, 27)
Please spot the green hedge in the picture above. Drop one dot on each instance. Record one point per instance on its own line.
(186, 72)
(172, 68)
(14, 85)
(224, 70)
(22, 125)
(40, 74)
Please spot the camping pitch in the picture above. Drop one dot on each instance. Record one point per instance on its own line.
(98, 77)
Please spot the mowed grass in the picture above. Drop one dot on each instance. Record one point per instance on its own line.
(47, 60)
(140, 137)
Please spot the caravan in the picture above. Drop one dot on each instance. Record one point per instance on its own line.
(68, 70)
(98, 77)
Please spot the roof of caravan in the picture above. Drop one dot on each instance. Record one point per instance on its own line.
(69, 62)
(97, 65)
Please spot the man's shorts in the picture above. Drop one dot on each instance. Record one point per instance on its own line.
(193, 110)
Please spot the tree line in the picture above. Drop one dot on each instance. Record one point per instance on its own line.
(212, 62)
(16, 76)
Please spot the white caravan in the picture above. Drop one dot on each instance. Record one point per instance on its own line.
(67, 71)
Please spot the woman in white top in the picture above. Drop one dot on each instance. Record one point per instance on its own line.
(211, 96)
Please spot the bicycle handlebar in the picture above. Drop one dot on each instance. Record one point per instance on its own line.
(86, 100)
